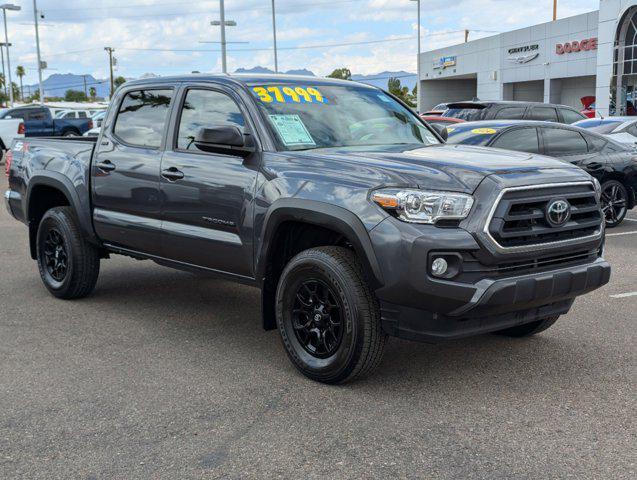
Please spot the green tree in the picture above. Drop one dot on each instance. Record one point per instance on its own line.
(75, 96)
(35, 96)
(119, 81)
(16, 90)
(20, 72)
(342, 73)
(92, 93)
(395, 88)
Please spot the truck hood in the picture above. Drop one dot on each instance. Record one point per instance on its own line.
(453, 167)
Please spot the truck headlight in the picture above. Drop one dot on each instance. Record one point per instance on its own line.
(424, 206)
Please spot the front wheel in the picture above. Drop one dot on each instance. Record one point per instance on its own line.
(614, 202)
(529, 329)
(68, 264)
(328, 317)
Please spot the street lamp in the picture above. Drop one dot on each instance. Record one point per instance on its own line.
(15, 8)
(418, 60)
(223, 23)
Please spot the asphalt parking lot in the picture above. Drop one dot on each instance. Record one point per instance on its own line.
(160, 374)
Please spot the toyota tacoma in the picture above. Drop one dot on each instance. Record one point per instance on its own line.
(339, 203)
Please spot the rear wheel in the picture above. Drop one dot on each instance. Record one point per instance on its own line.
(529, 329)
(68, 264)
(328, 317)
(614, 202)
(70, 133)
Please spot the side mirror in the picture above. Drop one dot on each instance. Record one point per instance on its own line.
(440, 130)
(226, 139)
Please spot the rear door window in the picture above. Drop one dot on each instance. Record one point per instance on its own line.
(547, 114)
(571, 116)
(141, 118)
(511, 113)
(520, 140)
(560, 142)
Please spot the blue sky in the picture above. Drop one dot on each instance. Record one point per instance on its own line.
(159, 36)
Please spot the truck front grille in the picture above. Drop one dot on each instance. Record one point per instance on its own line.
(519, 219)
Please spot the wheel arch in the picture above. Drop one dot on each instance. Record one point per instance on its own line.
(324, 224)
(50, 190)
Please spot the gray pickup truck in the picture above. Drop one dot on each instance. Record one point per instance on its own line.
(347, 211)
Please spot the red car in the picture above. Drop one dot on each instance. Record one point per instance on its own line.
(588, 103)
(440, 121)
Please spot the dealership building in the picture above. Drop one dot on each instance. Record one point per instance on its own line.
(593, 54)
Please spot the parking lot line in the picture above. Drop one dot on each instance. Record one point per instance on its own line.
(630, 219)
(624, 295)
(620, 233)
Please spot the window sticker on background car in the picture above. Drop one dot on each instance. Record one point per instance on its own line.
(292, 130)
(484, 131)
(288, 94)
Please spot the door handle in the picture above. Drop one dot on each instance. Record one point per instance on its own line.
(106, 166)
(172, 174)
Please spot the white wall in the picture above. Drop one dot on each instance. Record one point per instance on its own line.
(572, 89)
(610, 12)
(525, 91)
(438, 91)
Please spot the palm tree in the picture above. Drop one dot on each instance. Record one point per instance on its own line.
(92, 92)
(20, 72)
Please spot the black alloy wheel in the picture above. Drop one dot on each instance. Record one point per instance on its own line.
(69, 265)
(317, 318)
(328, 317)
(614, 202)
(55, 255)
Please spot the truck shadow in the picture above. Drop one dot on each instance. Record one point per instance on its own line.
(186, 308)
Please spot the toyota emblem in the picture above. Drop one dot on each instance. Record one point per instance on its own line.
(558, 212)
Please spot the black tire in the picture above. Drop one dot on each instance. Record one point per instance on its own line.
(614, 202)
(529, 329)
(349, 309)
(71, 133)
(68, 264)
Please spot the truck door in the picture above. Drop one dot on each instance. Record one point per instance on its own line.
(125, 171)
(207, 209)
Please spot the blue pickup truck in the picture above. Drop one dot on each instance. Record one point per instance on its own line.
(38, 122)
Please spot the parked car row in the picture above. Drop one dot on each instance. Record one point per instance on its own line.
(612, 163)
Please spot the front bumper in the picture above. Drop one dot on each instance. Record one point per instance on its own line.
(498, 304)
(417, 306)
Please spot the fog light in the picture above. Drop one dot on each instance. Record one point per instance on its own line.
(439, 266)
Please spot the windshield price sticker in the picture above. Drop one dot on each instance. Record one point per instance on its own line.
(484, 131)
(289, 94)
(292, 130)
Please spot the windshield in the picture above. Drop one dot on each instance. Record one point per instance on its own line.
(305, 117)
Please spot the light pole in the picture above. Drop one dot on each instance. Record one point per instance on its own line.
(276, 60)
(15, 8)
(37, 46)
(418, 61)
(223, 24)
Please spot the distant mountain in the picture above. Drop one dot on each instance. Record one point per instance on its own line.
(265, 70)
(407, 79)
(57, 84)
